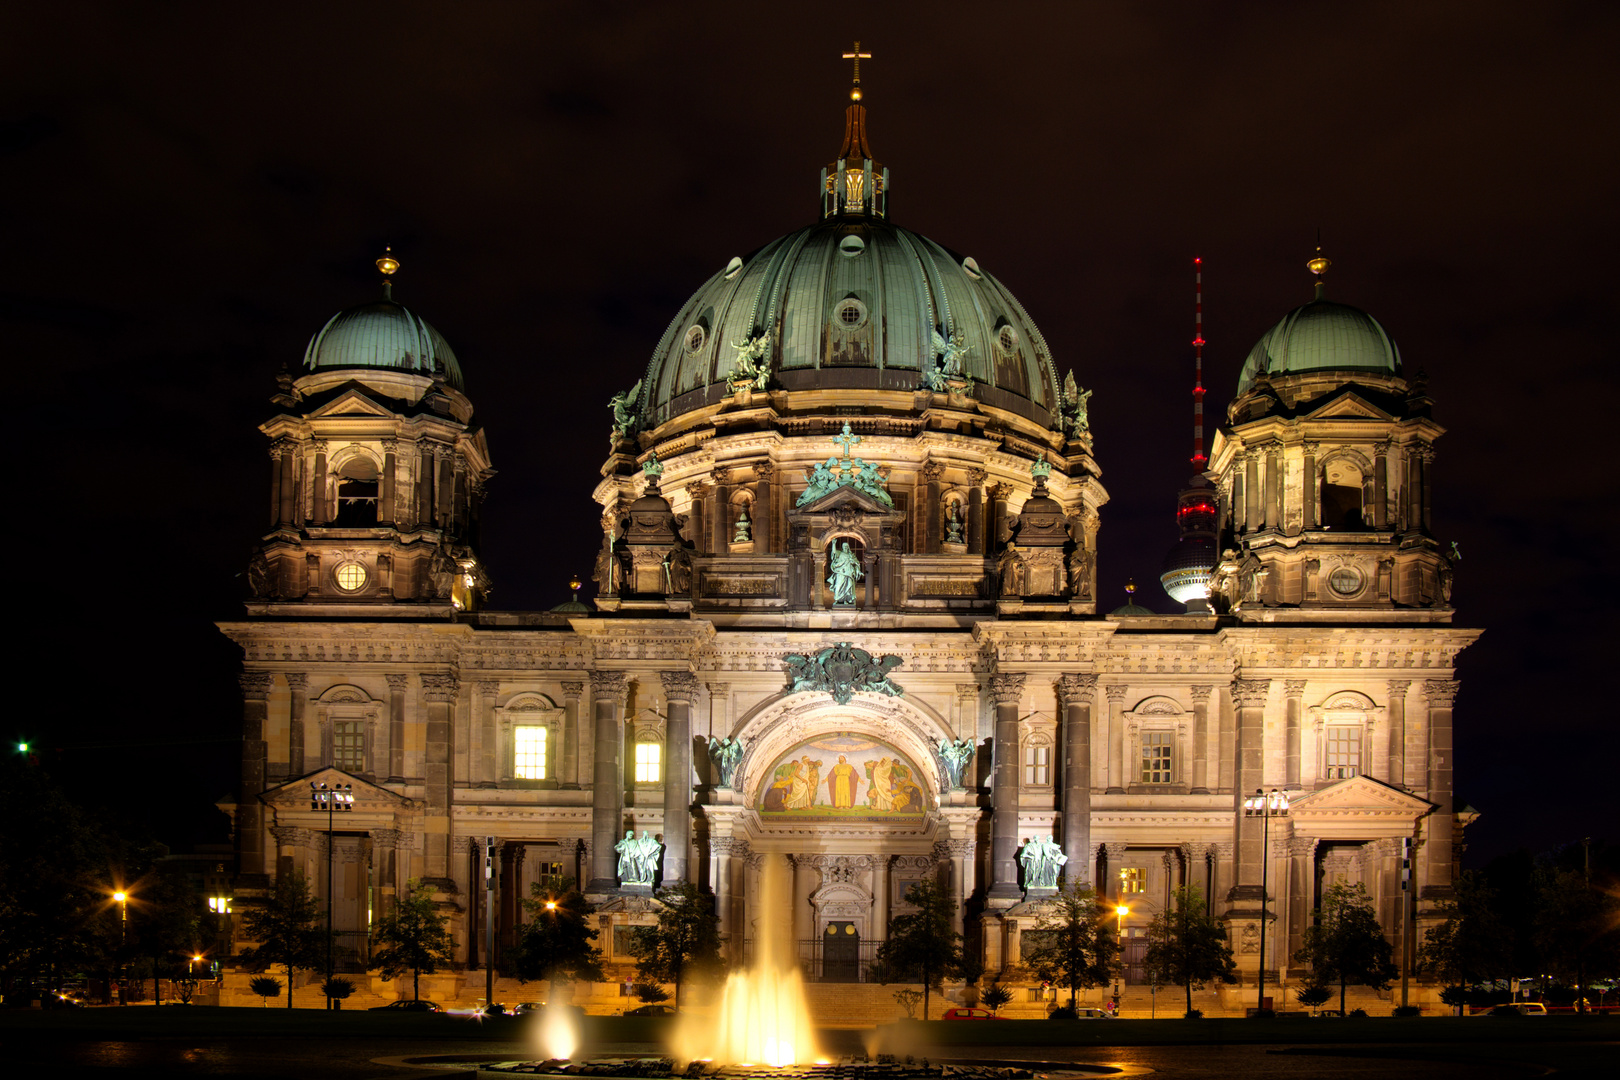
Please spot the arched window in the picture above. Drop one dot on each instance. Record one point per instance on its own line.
(1342, 491)
(357, 493)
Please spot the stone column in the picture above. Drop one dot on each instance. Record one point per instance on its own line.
(1077, 693)
(507, 899)
(680, 690)
(764, 512)
(440, 693)
(396, 728)
(275, 483)
(1114, 858)
(483, 767)
(1116, 739)
(568, 771)
(249, 811)
(1251, 490)
(607, 797)
(1437, 826)
(1249, 695)
(1200, 773)
(1224, 871)
(1274, 486)
(804, 884)
(880, 896)
(317, 486)
(424, 484)
(1308, 485)
(1294, 706)
(996, 527)
(1195, 857)
(444, 465)
(1008, 689)
(719, 499)
(289, 483)
(723, 846)
(297, 703)
(1397, 733)
(387, 508)
(1426, 486)
(932, 473)
(975, 522)
(1301, 883)
(1381, 485)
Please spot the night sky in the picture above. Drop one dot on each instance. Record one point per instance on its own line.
(191, 190)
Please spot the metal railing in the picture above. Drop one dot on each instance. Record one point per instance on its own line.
(820, 962)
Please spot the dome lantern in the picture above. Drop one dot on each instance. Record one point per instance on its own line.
(855, 185)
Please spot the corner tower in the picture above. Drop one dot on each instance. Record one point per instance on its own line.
(1323, 474)
(377, 473)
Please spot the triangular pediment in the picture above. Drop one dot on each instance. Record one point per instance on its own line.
(294, 794)
(1348, 406)
(845, 498)
(351, 402)
(1361, 796)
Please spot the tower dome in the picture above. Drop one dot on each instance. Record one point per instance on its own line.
(383, 334)
(1321, 336)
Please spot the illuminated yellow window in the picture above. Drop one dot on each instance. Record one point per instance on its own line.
(649, 763)
(220, 905)
(350, 576)
(529, 753)
(1038, 766)
(1132, 879)
(1156, 759)
(1343, 752)
(854, 187)
(349, 746)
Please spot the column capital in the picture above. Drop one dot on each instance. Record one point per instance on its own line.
(765, 470)
(296, 680)
(720, 474)
(1193, 850)
(679, 685)
(573, 691)
(319, 445)
(999, 491)
(1200, 693)
(1250, 693)
(390, 446)
(967, 691)
(1007, 687)
(932, 470)
(1303, 846)
(397, 682)
(489, 687)
(608, 684)
(255, 685)
(1311, 448)
(1399, 687)
(977, 477)
(1116, 694)
(1293, 687)
(439, 687)
(1440, 692)
(1115, 850)
(1077, 689)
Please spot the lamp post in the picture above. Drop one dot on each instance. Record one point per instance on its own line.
(123, 940)
(1120, 912)
(338, 797)
(1265, 807)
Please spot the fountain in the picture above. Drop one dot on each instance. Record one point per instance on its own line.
(559, 1032)
(762, 1018)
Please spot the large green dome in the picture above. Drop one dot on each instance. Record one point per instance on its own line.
(1321, 336)
(852, 303)
(382, 334)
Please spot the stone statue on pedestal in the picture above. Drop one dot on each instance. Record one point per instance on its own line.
(725, 753)
(1041, 859)
(956, 754)
(953, 524)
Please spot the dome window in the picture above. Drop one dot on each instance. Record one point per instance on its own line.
(350, 577)
(734, 267)
(695, 338)
(851, 246)
(851, 314)
(1007, 339)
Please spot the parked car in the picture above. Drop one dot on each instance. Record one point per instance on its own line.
(525, 1007)
(966, 1013)
(652, 1010)
(1523, 1008)
(415, 1005)
(1081, 1013)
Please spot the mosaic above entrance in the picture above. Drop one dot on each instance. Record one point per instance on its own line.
(844, 775)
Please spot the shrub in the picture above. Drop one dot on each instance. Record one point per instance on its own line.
(651, 993)
(1362, 1013)
(909, 999)
(1262, 1014)
(995, 996)
(266, 988)
(337, 989)
(1506, 1010)
(1193, 1014)
(1408, 1010)
(1062, 1012)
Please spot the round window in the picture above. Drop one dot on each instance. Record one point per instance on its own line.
(350, 577)
(1345, 581)
(851, 246)
(851, 314)
(695, 338)
(1008, 339)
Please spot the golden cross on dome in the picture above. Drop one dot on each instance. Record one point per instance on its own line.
(857, 56)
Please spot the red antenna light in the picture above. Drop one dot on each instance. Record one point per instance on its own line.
(1199, 459)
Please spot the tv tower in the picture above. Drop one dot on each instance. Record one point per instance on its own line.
(1190, 564)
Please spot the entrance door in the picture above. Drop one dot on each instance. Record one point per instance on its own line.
(841, 953)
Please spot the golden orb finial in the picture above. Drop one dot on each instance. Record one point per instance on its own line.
(388, 264)
(854, 93)
(1319, 264)
(575, 583)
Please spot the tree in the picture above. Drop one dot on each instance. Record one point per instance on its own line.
(555, 941)
(1346, 945)
(1577, 928)
(995, 996)
(1474, 944)
(286, 926)
(922, 942)
(1313, 995)
(413, 937)
(1072, 944)
(685, 940)
(649, 993)
(1186, 945)
(266, 988)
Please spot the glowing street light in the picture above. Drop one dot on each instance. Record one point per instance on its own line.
(1265, 807)
(1121, 911)
(331, 799)
(122, 899)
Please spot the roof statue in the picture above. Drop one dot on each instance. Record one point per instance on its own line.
(753, 365)
(652, 468)
(847, 471)
(1040, 468)
(1076, 413)
(841, 670)
(625, 406)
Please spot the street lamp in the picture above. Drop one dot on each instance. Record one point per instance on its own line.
(123, 938)
(1265, 807)
(1121, 911)
(338, 797)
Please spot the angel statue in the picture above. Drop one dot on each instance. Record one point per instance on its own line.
(1076, 411)
(956, 754)
(752, 366)
(844, 571)
(624, 412)
(950, 352)
(725, 753)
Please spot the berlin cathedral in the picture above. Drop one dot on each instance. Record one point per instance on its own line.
(846, 619)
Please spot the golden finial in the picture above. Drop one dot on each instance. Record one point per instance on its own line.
(857, 56)
(388, 264)
(1130, 588)
(576, 584)
(1320, 263)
